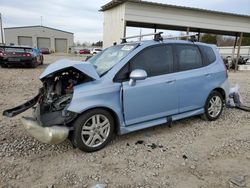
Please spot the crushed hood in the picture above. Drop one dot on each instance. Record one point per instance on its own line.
(84, 67)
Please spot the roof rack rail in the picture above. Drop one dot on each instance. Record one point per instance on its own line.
(191, 38)
(157, 37)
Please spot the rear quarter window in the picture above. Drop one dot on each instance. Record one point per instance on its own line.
(188, 57)
(209, 54)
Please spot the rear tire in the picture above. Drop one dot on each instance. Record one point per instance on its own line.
(33, 64)
(213, 107)
(41, 61)
(93, 130)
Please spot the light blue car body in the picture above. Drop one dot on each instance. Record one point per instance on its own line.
(153, 101)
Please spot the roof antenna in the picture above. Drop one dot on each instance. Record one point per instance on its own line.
(193, 38)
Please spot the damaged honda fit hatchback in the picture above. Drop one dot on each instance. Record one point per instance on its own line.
(125, 88)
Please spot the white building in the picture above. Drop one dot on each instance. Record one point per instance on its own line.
(40, 36)
(119, 14)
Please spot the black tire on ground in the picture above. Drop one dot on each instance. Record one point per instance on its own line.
(42, 59)
(212, 113)
(33, 64)
(4, 66)
(93, 130)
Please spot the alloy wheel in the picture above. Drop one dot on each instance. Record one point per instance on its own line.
(95, 130)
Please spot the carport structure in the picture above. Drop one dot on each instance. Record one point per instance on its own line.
(119, 14)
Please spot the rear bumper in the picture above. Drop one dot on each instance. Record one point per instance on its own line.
(21, 61)
(48, 135)
(226, 87)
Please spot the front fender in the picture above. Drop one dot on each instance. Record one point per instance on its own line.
(106, 97)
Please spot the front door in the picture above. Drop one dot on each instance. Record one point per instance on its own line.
(156, 96)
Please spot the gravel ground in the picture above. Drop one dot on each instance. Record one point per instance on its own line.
(192, 153)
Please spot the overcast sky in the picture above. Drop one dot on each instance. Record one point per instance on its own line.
(83, 18)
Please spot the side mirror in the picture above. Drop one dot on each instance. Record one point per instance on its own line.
(137, 74)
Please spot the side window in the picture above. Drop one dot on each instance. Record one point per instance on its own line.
(123, 74)
(155, 60)
(209, 54)
(188, 57)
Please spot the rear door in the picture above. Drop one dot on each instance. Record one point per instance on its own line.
(156, 96)
(192, 77)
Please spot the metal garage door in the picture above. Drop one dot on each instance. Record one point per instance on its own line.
(43, 42)
(61, 45)
(26, 41)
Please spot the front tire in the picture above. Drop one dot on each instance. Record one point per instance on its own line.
(93, 130)
(213, 107)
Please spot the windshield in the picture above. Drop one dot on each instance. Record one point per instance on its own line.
(106, 59)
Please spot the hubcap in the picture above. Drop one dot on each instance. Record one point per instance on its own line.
(215, 105)
(95, 130)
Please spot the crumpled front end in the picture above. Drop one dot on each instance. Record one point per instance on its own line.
(51, 121)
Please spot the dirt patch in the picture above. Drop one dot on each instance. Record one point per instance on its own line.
(192, 153)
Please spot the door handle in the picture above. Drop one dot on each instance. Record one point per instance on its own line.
(170, 81)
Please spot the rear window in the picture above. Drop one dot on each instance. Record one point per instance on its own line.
(209, 54)
(17, 50)
(14, 50)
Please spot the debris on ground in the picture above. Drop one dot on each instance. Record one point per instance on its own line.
(235, 100)
(184, 157)
(152, 146)
(240, 181)
(139, 142)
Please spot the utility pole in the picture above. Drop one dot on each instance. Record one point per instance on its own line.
(41, 21)
(1, 27)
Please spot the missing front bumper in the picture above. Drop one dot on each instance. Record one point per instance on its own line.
(48, 135)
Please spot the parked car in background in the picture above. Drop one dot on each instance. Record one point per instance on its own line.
(20, 56)
(44, 50)
(126, 88)
(84, 51)
(95, 51)
(230, 63)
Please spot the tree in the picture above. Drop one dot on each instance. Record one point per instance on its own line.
(99, 43)
(208, 38)
(246, 41)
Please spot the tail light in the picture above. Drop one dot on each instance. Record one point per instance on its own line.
(2, 54)
(27, 55)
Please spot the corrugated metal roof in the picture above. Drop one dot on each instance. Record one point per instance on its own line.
(38, 26)
(115, 3)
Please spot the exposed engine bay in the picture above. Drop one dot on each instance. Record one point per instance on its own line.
(56, 96)
(50, 105)
(58, 89)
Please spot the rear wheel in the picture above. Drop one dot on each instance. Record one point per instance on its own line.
(41, 62)
(93, 130)
(213, 107)
(33, 63)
